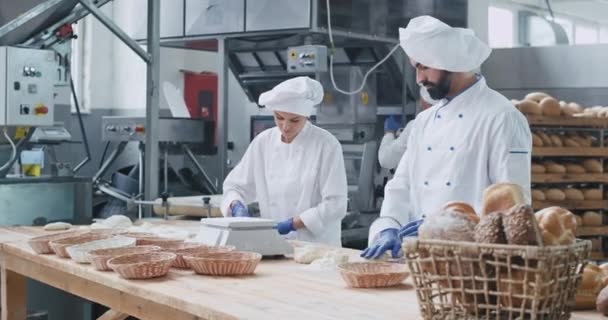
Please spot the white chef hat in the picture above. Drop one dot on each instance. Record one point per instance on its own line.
(435, 44)
(297, 95)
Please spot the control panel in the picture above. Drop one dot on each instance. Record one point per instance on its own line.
(123, 128)
(308, 58)
(27, 79)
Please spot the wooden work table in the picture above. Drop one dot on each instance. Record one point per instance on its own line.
(279, 289)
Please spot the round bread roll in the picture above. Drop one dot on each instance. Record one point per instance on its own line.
(574, 194)
(601, 303)
(566, 110)
(501, 197)
(575, 107)
(570, 142)
(553, 167)
(536, 141)
(448, 225)
(550, 107)
(536, 96)
(579, 220)
(529, 107)
(490, 229)
(556, 141)
(555, 195)
(593, 166)
(557, 225)
(603, 113)
(592, 219)
(546, 140)
(575, 168)
(520, 226)
(593, 194)
(538, 195)
(538, 168)
(589, 288)
(462, 207)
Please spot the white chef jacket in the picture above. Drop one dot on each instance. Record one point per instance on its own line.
(456, 149)
(304, 178)
(392, 149)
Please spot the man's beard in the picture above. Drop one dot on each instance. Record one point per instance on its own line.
(439, 90)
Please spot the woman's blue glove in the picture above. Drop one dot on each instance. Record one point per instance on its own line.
(410, 229)
(388, 239)
(285, 227)
(238, 209)
(392, 123)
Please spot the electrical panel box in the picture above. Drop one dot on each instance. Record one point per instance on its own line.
(27, 79)
(309, 58)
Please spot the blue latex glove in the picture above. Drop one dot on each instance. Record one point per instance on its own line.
(239, 209)
(392, 123)
(285, 227)
(387, 240)
(410, 229)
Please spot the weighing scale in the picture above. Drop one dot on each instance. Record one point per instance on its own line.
(246, 234)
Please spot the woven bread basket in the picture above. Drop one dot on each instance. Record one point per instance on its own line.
(372, 275)
(41, 244)
(60, 246)
(142, 265)
(157, 241)
(79, 253)
(99, 258)
(233, 263)
(184, 249)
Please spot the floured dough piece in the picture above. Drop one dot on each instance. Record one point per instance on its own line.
(55, 226)
(329, 261)
(116, 221)
(308, 253)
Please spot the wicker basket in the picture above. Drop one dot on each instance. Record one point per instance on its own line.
(138, 235)
(157, 241)
(467, 280)
(372, 274)
(142, 265)
(184, 249)
(100, 258)
(60, 246)
(41, 244)
(234, 263)
(79, 253)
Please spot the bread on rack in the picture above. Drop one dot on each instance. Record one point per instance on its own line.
(538, 168)
(537, 141)
(552, 167)
(521, 227)
(593, 166)
(536, 96)
(593, 194)
(574, 194)
(558, 226)
(501, 197)
(546, 140)
(556, 141)
(592, 219)
(579, 220)
(529, 107)
(555, 194)
(572, 143)
(590, 286)
(538, 195)
(550, 107)
(574, 168)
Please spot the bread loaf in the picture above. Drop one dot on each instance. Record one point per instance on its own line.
(538, 195)
(448, 225)
(575, 107)
(550, 107)
(592, 219)
(604, 267)
(589, 288)
(583, 141)
(555, 195)
(556, 141)
(593, 194)
(593, 166)
(546, 140)
(538, 168)
(558, 226)
(575, 168)
(536, 141)
(570, 142)
(462, 207)
(574, 194)
(501, 197)
(601, 303)
(490, 229)
(579, 220)
(521, 227)
(552, 167)
(529, 107)
(536, 96)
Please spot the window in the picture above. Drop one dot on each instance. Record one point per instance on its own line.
(500, 27)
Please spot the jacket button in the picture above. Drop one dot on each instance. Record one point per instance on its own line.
(448, 184)
(460, 115)
(426, 183)
(429, 148)
(438, 116)
(451, 148)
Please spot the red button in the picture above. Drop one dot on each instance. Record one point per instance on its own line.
(139, 129)
(41, 110)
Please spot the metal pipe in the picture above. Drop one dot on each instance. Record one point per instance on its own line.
(116, 30)
(198, 166)
(140, 181)
(152, 102)
(83, 132)
(222, 107)
(166, 169)
(106, 165)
